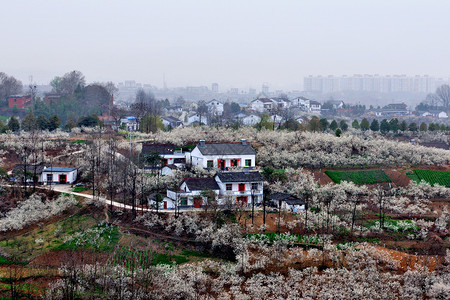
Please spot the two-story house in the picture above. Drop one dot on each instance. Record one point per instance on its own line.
(235, 188)
(215, 107)
(223, 155)
(240, 187)
(189, 193)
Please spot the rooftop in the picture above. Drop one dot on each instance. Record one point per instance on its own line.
(59, 169)
(160, 148)
(199, 184)
(239, 176)
(226, 149)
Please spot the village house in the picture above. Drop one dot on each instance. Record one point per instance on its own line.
(234, 188)
(167, 152)
(215, 107)
(262, 105)
(314, 106)
(250, 120)
(190, 193)
(171, 122)
(19, 101)
(62, 175)
(301, 102)
(195, 118)
(240, 188)
(129, 123)
(223, 155)
(287, 202)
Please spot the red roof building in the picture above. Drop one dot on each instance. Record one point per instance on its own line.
(19, 101)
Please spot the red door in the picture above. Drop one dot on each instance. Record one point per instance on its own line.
(165, 204)
(62, 178)
(198, 202)
(241, 187)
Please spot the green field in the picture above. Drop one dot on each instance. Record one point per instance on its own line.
(431, 177)
(359, 177)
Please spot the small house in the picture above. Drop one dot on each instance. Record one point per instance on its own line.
(189, 193)
(287, 202)
(62, 175)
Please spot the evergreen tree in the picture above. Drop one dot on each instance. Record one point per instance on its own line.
(338, 132)
(333, 125)
(374, 126)
(324, 124)
(393, 125)
(29, 123)
(403, 126)
(314, 124)
(42, 122)
(423, 127)
(412, 126)
(384, 126)
(54, 122)
(343, 125)
(365, 125)
(355, 124)
(13, 124)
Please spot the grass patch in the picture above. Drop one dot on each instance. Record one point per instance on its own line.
(194, 253)
(432, 177)
(103, 237)
(46, 238)
(7, 261)
(79, 142)
(79, 189)
(359, 177)
(392, 225)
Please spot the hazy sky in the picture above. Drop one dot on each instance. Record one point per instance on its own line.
(235, 43)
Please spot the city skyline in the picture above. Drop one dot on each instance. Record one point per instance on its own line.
(237, 44)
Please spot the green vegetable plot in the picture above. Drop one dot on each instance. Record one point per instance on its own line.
(431, 177)
(359, 177)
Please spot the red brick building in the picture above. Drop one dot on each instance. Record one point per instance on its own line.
(20, 101)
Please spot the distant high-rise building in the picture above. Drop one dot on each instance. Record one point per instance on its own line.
(215, 87)
(265, 88)
(372, 83)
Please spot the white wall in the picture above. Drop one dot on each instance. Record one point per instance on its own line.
(71, 176)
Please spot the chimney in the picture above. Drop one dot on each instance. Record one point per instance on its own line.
(243, 141)
(202, 143)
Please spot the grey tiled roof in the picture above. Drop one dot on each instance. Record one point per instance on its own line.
(227, 149)
(198, 184)
(160, 148)
(240, 176)
(29, 168)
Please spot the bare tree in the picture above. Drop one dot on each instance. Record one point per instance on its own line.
(9, 86)
(441, 96)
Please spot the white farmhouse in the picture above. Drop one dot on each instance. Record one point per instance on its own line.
(223, 155)
(197, 118)
(240, 188)
(60, 175)
(130, 123)
(251, 120)
(215, 107)
(262, 105)
(190, 193)
(314, 106)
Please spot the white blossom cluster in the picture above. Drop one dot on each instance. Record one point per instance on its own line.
(34, 209)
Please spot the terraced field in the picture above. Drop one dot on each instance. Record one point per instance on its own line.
(359, 177)
(431, 177)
